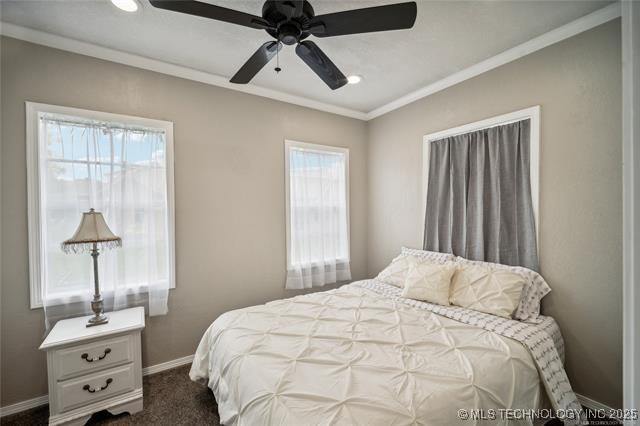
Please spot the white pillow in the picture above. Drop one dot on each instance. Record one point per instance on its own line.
(429, 282)
(396, 273)
(485, 289)
(535, 288)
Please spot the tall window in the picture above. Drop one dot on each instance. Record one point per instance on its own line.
(317, 189)
(481, 193)
(119, 165)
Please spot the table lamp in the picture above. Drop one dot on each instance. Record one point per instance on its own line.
(93, 234)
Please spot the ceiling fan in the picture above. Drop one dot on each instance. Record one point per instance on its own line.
(292, 22)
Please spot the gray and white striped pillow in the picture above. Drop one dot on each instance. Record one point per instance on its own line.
(433, 256)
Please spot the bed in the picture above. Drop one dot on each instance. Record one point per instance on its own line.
(361, 354)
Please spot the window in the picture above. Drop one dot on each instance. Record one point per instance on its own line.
(119, 165)
(317, 193)
(480, 189)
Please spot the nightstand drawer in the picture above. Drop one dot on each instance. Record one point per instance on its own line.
(89, 357)
(95, 387)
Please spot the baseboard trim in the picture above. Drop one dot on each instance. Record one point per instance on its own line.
(595, 405)
(44, 399)
(153, 369)
(24, 405)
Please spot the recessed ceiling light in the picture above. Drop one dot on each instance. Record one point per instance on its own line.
(354, 79)
(126, 5)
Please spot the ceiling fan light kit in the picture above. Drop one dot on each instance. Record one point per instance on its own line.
(126, 5)
(354, 79)
(291, 22)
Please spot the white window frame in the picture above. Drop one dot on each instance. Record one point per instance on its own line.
(533, 114)
(288, 144)
(631, 204)
(33, 113)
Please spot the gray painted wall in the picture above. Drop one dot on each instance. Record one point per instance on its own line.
(230, 191)
(578, 84)
(229, 187)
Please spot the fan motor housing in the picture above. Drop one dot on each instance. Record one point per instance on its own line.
(289, 33)
(289, 28)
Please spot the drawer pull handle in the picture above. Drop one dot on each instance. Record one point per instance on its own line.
(98, 389)
(85, 356)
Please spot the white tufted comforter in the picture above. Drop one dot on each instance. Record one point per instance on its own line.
(360, 355)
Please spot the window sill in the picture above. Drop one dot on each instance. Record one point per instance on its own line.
(76, 298)
(318, 263)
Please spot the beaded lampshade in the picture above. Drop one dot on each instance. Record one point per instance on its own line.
(92, 233)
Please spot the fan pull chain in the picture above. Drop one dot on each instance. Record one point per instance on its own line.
(277, 68)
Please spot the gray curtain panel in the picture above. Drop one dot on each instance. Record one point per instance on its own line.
(479, 196)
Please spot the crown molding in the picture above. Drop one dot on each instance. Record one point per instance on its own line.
(582, 24)
(113, 55)
(571, 29)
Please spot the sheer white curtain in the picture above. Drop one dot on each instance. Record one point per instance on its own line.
(318, 246)
(121, 172)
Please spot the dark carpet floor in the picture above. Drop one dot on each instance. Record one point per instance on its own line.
(170, 398)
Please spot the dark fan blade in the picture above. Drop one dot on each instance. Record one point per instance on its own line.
(256, 62)
(380, 18)
(211, 11)
(320, 63)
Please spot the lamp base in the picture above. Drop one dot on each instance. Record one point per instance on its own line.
(97, 320)
(97, 304)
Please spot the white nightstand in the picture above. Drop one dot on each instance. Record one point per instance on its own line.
(94, 368)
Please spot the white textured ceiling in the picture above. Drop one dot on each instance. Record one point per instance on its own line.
(448, 36)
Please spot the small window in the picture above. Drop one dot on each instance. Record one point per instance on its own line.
(119, 165)
(317, 192)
